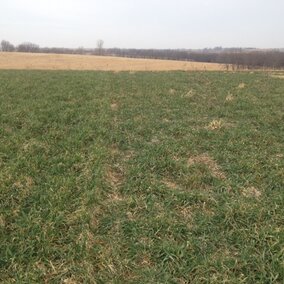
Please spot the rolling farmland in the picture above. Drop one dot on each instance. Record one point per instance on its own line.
(35, 61)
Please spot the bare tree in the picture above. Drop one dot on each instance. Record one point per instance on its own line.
(7, 46)
(80, 50)
(28, 47)
(100, 46)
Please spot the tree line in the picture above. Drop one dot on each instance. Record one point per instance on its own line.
(236, 58)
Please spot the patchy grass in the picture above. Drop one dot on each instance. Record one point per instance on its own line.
(117, 178)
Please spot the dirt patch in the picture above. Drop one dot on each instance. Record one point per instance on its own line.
(206, 160)
(251, 192)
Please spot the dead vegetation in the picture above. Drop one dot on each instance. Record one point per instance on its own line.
(206, 160)
(280, 76)
(251, 192)
(114, 177)
(241, 86)
(170, 184)
(229, 98)
(215, 124)
(41, 61)
(114, 106)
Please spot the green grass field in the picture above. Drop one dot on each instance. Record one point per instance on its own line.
(141, 177)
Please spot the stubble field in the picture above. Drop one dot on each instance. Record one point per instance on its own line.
(37, 61)
(166, 177)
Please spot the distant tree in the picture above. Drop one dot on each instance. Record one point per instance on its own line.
(28, 47)
(100, 46)
(80, 50)
(6, 46)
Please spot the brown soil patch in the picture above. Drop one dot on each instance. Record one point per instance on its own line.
(209, 162)
(41, 61)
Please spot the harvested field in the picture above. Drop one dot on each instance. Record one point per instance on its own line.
(40, 61)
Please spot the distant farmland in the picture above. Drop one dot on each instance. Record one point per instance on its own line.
(41, 61)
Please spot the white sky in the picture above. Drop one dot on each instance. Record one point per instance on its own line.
(144, 23)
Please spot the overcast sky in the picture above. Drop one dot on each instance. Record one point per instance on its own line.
(144, 23)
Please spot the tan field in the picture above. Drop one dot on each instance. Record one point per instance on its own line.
(40, 61)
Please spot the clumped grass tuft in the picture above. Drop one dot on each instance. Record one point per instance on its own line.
(215, 124)
(139, 177)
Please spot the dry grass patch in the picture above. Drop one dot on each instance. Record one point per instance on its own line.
(33, 143)
(114, 106)
(215, 124)
(229, 98)
(277, 76)
(251, 192)
(144, 260)
(127, 155)
(114, 177)
(206, 160)
(241, 86)
(189, 94)
(41, 61)
(170, 184)
(2, 221)
(172, 91)
(155, 140)
(185, 212)
(70, 281)
(115, 197)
